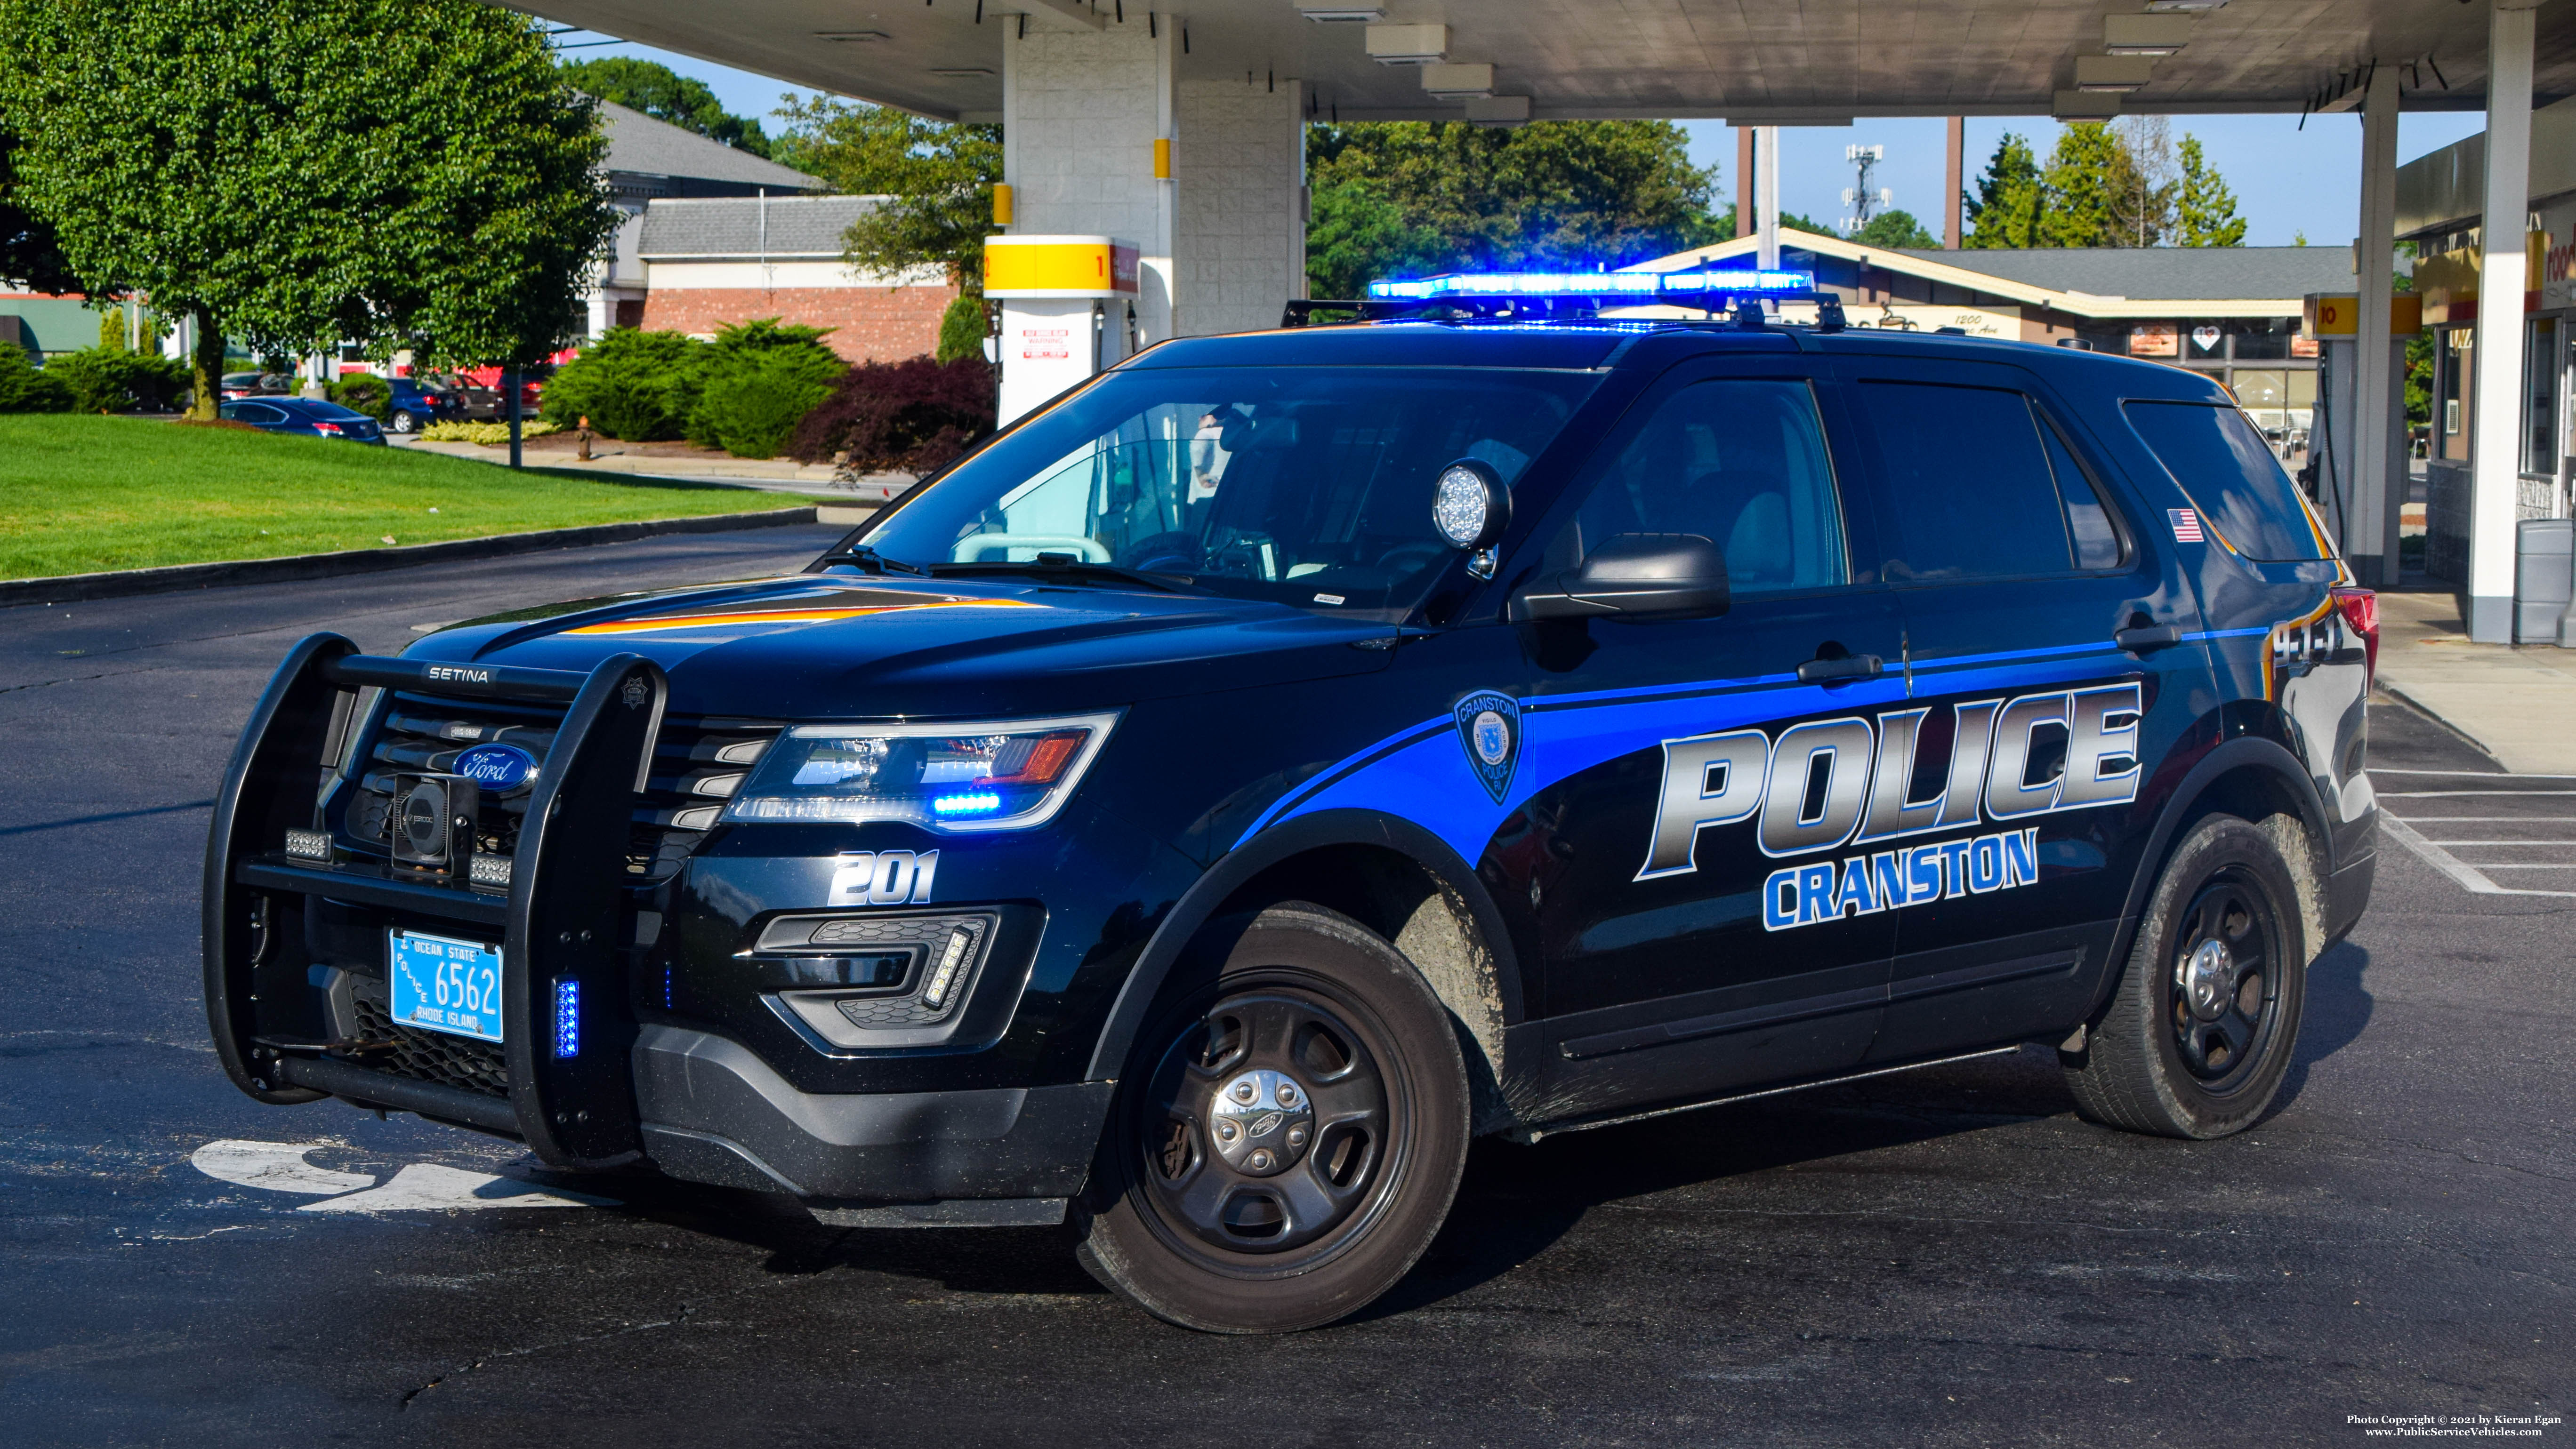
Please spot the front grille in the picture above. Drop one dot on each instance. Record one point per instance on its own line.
(428, 1056)
(697, 761)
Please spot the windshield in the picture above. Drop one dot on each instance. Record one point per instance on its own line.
(1305, 486)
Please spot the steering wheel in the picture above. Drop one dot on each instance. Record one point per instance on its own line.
(1404, 558)
(1176, 552)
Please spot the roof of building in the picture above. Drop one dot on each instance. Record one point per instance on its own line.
(2180, 274)
(647, 147)
(777, 227)
(2100, 282)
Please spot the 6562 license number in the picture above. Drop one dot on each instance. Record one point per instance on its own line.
(444, 984)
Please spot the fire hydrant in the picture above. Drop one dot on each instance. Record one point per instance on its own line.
(583, 437)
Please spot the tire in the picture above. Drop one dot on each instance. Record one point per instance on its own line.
(1311, 1025)
(2202, 1027)
(405, 423)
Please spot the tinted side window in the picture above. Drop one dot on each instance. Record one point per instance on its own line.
(1742, 464)
(2088, 518)
(1970, 493)
(2230, 477)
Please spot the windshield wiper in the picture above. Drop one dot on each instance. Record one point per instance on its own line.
(862, 556)
(1057, 568)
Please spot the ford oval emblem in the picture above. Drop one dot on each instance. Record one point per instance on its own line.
(500, 769)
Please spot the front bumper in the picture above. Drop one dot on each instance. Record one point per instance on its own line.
(713, 1112)
(297, 1015)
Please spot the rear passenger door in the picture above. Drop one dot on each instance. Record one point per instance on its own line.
(2049, 655)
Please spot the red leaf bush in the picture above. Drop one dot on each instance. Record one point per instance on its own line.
(900, 417)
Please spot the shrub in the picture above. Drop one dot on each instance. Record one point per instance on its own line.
(759, 381)
(113, 380)
(632, 384)
(962, 329)
(907, 417)
(490, 435)
(24, 389)
(363, 393)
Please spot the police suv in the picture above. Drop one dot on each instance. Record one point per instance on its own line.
(1197, 814)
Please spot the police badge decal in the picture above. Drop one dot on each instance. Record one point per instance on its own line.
(1489, 726)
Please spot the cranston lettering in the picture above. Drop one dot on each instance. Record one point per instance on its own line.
(1827, 783)
(1887, 880)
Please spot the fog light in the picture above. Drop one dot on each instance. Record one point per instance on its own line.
(487, 869)
(309, 844)
(951, 961)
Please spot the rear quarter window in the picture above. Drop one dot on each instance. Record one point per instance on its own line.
(2231, 477)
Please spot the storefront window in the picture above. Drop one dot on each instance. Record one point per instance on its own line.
(2540, 375)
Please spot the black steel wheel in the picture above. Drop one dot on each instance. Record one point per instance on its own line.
(1290, 1137)
(2202, 1027)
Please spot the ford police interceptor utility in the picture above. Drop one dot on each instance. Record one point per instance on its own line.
(1197, 814)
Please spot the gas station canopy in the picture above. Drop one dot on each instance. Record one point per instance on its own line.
(1785, 62)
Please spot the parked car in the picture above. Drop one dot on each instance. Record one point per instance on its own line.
(416, 404)
(479, 397)
(305, 417)
(255, 384)
(1430, 730)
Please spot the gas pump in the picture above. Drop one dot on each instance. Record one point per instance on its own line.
(2362, 511)
(1068, 310)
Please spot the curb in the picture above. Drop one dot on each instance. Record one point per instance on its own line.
(123, 583)
(2445, 726)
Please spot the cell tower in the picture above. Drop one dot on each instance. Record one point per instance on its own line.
(1860, 198)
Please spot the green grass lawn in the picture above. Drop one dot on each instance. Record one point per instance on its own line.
(81, 494)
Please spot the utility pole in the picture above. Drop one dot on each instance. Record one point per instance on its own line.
(1955, 188)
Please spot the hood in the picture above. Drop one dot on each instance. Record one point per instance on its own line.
(823, 646)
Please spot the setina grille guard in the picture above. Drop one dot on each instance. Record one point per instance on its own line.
(565, 916)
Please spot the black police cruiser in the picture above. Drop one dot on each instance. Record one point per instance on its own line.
(1201, 811)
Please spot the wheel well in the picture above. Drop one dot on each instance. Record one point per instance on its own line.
(1427, 921)
(2262, 797)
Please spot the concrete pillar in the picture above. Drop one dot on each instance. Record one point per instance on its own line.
(1221, 237)
(1239, 243)
(1082, 107)
(1954, 173)
(2377, 490)
(2495, 434)
(1766, 185)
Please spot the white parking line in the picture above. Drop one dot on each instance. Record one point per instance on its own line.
(419, 1186)
(2472, 878)
(2472, 774)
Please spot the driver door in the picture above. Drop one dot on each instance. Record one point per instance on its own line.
(1701, 773)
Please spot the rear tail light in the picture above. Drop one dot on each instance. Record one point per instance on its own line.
(328, 430)
(2360, 610)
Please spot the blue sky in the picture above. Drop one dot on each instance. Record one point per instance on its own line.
(2286, 179)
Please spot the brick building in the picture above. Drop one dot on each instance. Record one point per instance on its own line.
(710, 262)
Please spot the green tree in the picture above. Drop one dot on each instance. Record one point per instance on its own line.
(666, 95)
(941, 176)
(2205, 210)
(962, 330)
(2010, 205)
(2086, 180)
(265, 169)
(1895, 229)
(30, 256)
(1411, 196)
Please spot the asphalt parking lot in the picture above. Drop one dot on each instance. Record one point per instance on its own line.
(1948, 1257)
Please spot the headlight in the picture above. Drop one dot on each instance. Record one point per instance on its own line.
(1003, 775)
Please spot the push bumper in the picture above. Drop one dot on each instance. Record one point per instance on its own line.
(713, 1112)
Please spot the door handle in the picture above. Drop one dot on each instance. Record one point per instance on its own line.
(2146, 637)
(1850, 666)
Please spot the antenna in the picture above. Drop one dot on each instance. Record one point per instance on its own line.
(1861, 199)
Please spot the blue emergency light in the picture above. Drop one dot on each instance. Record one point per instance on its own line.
(1608, 288)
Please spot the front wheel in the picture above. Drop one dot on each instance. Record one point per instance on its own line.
(2202, 1026)
(1289, 1135)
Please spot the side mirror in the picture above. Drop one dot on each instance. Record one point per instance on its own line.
(1634, 576)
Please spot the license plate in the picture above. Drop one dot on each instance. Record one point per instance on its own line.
(443, 984)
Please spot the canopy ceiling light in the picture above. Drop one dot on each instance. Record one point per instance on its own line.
(853, 37)
(1408, 44)
(2167, 7)
(1453, 81)
(1342, 14)
(960, 72)
(2113, 72)
(1498, 110)
(2145, 34)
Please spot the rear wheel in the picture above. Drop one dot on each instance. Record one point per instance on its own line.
(2201, 1029)
(1289, 1135)
(405, 423)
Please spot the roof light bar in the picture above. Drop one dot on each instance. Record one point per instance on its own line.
(1632, 287)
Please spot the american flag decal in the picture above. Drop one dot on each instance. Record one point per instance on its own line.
(2186, 525)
